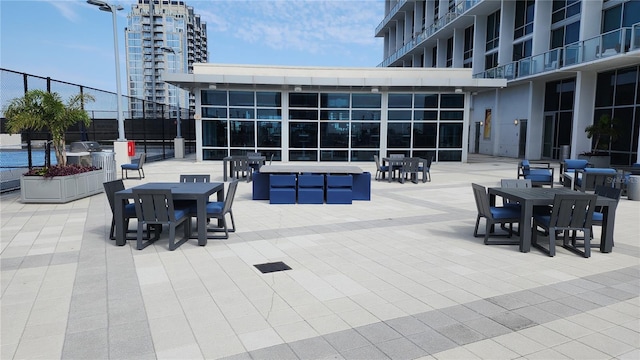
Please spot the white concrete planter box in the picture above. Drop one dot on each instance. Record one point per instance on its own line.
(60, 189)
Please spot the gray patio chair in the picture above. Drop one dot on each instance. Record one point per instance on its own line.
(571, 213)
(598, 215)
(219, 210)
(494, 215)
(380, 169)
(138, 166)
(110, 188)
(155, 207)
(410, 169)
(195, 178)
(425, 168)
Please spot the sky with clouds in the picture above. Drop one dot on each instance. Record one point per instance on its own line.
(72, 41)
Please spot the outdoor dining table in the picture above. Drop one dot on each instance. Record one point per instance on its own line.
(227, 163)
(394, 164)
(530, 197)
(199, 192)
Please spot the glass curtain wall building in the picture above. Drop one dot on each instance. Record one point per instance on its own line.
(566, 63)
(331, 114)
(162, 37)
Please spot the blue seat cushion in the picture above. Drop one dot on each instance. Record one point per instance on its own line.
(543, 219)
(600, 171)
(538, 175)
(505, 212)
(130, 166)
(598, 216)
(384, 168)
(575, 164)
(180, 213)
(215, 207)
(130, 210)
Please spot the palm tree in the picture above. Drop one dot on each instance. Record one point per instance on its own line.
(38, 110)
(602, 129)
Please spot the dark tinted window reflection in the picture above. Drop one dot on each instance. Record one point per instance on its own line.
(427, 101)
(214, 133)
(303, 114)
(269, 99)
(303, 100)
(334, 155)
(425, 115)
(303, 135)
(399, 135)
(365, 115)
(213, 97)
(241, 98)
(403, 115)
(214, 113)
(455, 101)
(242, 133)
(334, 100)
(373, 101)
(400, 100)
(272, 114)
(365, 135)
(334, 134)
(450, 135)
(424, 135)
(269, 133)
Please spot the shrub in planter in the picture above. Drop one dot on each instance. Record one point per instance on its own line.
(60, 183)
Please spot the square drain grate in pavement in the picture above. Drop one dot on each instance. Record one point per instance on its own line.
(272, 267)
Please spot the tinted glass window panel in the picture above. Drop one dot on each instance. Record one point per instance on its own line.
(399, 135)
(214, 113)
(573, 10)
(399, 115)
(214, 133)
(334, 134)
(425, 135)
(365, 135)
(269, 133)
(269, 98)
(303, 155)
(567, 94)
(334, 155)
(303, 135)
(631, 14)
(241, 98)
(551, 96)
(572, 33)
(308, 100)
(334, 115)
(425, 115)
(334, 100)
(242, 133)
(451, 115)
(213, 97)
(624, 126)
(240, 113)
(359, 155)
(269, 114)
(564, 128)
(611, 19)
(450, 155)
(365, 115)
(303, 114)
(626, 86)
(450, 135)
(452, 101)
(214, 154)
(372, 101)
(400, 100)
(426, 101)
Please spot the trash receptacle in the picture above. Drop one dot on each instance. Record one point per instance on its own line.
(633, 187)
(107, 161)
(565, 151)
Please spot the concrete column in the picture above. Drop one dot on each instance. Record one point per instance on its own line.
(458, 47)
(479, 41)
(583, 109)
(507, 20)
(591, 13)
(542, 26)
(120, 150)
(535, 125)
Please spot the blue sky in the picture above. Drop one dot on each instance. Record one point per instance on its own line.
(72, 41)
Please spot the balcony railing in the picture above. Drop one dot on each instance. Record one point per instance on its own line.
(608, 44)
(420, 37)
(392, 12)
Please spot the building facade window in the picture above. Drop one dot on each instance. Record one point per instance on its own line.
(493, 31)
(618, 95)
(331, 126)
(564, 9)
(449, 52)
(524, 18)
(467, 60)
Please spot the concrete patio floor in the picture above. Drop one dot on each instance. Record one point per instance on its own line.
(397, 277)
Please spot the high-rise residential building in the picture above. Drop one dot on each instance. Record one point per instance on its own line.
(566, 62)
(162, 37)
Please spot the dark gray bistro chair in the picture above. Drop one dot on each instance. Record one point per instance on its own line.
(598, 215)
(219, 210)
(189, 178)
(110, 188)
(571, 213)
(410, 169)
(494, 215)
(155, 207)
(380, 169)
